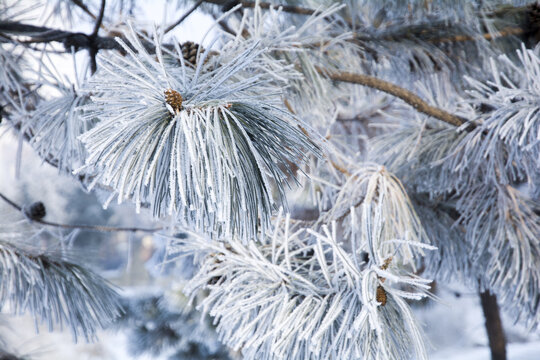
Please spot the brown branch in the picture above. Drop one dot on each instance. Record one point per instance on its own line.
(409, 97)
(507, 31)
(404, 34)
(79, 40)
(99, 228)
(339, 168)
(183, 17)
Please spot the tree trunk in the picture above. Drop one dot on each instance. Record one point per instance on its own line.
(495, 332)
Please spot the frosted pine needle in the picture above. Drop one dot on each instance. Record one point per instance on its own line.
(301, 295)
(212, 163)
(57, 291)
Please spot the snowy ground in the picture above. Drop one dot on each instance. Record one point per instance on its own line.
(455, 328)
(523, 351)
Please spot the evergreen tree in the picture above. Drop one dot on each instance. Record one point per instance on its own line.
(327, 160)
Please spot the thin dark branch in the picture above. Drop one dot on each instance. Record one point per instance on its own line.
(87, 11)
(41, 34)
(409, 97)
(224, 26)
(11, 203)
(79, 40)
(264, 5)
(183, 17)
(99, 19)
(93, 50)
(84, 8)
(99, 228)
(93, 63)
(76, 40)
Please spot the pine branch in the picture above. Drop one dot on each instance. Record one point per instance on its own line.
(235, 142)
(100, 228)
(42, 34)
(409, 97)
(55, 290)
(156, 326)
(301, 295)
(263, 5)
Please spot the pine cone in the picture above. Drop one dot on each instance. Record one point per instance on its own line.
(174, 99)
(189, 52)
(36, 211)
(534, 22)
(534, 13)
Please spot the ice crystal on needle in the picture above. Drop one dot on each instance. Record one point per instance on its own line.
(202, 143)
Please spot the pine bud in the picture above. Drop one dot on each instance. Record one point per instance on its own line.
(386, 263)
(381, 295)
(36, 211)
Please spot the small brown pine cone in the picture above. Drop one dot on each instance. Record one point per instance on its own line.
(174, 99)
(381, 295)
(189, 52)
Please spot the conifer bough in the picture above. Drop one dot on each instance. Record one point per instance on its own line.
(212, 136)
(197, 143)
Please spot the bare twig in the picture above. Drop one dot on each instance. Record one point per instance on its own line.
(93, 50)
(409, 97)
(99, 228)
(99, 19)
(264, 5)
(76, 40)
(42, 34)
(84, 8)
(183, 17)
(11, 203)
(224, 26)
